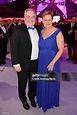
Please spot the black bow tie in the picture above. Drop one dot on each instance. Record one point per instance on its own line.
(31, 28)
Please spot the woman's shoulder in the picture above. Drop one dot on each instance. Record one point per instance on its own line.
(56, 29)
(42, 31)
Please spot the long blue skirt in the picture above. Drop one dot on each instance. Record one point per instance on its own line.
(48, 94)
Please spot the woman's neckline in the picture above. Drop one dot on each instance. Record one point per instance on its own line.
(49, 35)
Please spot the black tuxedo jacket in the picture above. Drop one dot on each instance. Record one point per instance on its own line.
(68, 27)
(5, 38)
(21, 46)
(62, 28)
(10, 29)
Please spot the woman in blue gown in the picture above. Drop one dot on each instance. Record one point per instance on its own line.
(51, 44)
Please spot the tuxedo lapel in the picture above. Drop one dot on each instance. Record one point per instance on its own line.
(1, 31)
(38, 29)
(26, 32)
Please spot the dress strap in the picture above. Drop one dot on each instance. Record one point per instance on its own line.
(57, 31)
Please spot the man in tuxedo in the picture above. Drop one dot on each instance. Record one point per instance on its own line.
(24, 53)
(3, 42)
(70, 37)
(61, 26)
(11, 26)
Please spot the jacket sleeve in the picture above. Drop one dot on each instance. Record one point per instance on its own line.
(15, 46)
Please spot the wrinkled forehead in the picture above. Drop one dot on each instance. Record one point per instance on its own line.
(48, 16)
(30, 13)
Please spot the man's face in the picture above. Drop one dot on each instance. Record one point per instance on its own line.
(14, 21)
(73, 20)
(30, 18)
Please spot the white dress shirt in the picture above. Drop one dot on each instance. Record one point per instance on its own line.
(3, 28)
(34, 40)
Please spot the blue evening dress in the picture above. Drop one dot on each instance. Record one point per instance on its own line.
(47, 93)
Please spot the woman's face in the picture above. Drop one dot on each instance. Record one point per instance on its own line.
(47, 21)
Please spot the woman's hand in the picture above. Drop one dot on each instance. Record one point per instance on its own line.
(50, 67)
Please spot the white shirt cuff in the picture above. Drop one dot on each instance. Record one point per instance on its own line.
(16, 65)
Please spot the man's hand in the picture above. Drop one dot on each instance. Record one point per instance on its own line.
(1, 35)
(69, 32)
(17, 68)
